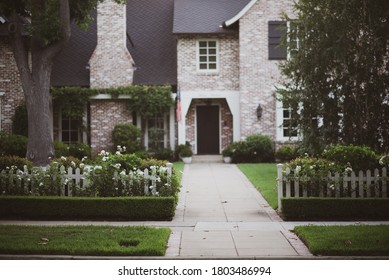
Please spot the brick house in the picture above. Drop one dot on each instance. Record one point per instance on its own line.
(221, 55)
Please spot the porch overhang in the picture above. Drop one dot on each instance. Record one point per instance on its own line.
(233, 101)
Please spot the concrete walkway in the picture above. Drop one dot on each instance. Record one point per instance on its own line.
(227, 217)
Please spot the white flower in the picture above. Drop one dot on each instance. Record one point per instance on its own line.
(41, 184)
(84, 159)
(117, 166)
(123, 173)
(102, 153)
(118, 153)
(298, 169)
(82, 165)
(73, 164)
(349, 169)
(63, 158)
(104, 159)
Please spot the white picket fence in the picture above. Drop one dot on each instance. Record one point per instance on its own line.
(76, 177)
(348, 184)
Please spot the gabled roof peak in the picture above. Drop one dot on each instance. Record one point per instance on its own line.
(239, 15)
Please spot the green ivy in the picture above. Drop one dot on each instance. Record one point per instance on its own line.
(147, 101)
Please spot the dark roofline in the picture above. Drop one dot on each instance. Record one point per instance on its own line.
(239, 15)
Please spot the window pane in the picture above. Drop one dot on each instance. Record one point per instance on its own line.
(212, 44)
(203, 44)
(203, 51)
(212, 51)
(203, 66)
(212, 58)
(203, 59)
(212, 66)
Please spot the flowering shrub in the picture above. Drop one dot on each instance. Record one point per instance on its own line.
(113, 175)
(312, 172)
(384, 161)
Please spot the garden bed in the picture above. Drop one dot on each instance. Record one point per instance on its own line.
(87, 208)
(335, 208)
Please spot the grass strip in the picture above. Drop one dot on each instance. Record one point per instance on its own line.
(359, 240)
(83, 240)
(264, 177)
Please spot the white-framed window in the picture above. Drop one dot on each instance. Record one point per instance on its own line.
(293, 40)
(70, 131)
(207, 55)
(287, 130)
(156, 136)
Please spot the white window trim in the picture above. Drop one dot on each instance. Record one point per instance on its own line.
(280, 128)
(212, 71)
(82, 135)
(288, 51)
(165, 136)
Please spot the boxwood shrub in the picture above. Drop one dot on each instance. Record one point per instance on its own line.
(83, 208)
(335, 208)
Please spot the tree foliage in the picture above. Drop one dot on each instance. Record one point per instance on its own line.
(41, 28)
(337, 81)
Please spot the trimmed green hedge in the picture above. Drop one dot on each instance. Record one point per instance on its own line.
(85, 208)
(335, 208)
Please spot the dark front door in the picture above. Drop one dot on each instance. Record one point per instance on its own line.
(208, 130)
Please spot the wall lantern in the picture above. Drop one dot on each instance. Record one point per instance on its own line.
(259, 111)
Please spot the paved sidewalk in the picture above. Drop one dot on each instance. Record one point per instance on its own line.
(231, 219)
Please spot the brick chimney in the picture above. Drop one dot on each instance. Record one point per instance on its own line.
(111, 64)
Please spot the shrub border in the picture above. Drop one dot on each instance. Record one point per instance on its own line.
(335, 208)
(86, 208)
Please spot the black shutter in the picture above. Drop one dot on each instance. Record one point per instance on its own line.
(277, 29)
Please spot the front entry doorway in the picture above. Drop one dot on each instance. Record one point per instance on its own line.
(208, 130)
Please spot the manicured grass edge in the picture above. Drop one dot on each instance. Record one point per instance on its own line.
(80, 208)
(351, 240)
(335, 208)
(84, 240)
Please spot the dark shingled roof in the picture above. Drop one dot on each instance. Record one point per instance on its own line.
(154, 49)
(205, 16)
(152, 46)
(71, 66)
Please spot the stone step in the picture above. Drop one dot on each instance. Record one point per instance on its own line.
(207, 158)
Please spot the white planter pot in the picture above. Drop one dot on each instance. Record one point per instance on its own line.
(187, 160)
(227, 159)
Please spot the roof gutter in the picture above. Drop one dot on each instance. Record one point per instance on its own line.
(238, 16)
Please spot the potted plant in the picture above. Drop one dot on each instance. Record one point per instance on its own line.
(186, 154)
(227, 154)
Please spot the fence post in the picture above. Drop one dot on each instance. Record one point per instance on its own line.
(279, 182)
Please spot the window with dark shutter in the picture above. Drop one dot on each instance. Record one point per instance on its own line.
(277, 29)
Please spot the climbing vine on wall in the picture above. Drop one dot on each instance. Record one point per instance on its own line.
(147, 101)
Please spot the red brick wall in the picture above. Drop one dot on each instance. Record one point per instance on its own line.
(104, 115)
(10, 85)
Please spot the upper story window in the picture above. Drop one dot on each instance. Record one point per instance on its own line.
(277, 29)
(207, 55)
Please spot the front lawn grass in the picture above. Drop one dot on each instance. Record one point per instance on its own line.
(264, 177)
(360, 240)
(83, 240)
(179, 167)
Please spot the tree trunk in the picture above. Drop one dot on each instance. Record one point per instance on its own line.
(39, 108)
(35, 78)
